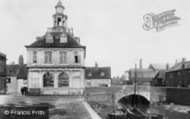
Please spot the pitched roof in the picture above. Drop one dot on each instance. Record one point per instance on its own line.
(71, 42)
(180, 66)
(157, 66)
(16, 70)
(98, 73)
(140, 70)
(142, 75)
(22, 73)
(160, 75)
(12, 69)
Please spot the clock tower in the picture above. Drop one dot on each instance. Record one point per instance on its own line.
(60, 19)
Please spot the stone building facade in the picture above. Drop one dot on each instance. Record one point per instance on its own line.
(56, 61)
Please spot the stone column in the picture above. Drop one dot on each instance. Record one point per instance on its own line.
(56, 79)
(70, 81)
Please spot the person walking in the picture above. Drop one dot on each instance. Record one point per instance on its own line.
(22, 90)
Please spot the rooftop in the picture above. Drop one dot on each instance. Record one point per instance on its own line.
(180, 66)
(98, 73)
(71, 42)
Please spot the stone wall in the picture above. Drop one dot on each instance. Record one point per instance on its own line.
(157, 94)
(169, 112)
(2, 85)
(170, 95)
(178, 96)
(101, 98)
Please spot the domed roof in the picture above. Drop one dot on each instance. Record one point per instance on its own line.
(59, 4)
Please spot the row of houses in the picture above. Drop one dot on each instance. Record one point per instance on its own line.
(178, 75)
(145, 75)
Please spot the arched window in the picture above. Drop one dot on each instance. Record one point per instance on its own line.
(63, 80)
(48, 80)
(59, 21)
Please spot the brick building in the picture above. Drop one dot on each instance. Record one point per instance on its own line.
(179, 75)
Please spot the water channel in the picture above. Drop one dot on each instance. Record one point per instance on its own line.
(145, 106)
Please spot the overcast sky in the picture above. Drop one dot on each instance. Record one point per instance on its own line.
(110, 29)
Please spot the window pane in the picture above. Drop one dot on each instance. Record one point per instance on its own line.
(48, 80)
(63, 57)
(48, 57)
(63, 80)
(77, 57)
(34, 56)
(63, 39)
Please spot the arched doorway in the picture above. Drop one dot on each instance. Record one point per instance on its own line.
(48, 80)
(63, 80)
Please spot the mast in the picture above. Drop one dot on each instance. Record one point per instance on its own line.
(135, 79)
(135, 86)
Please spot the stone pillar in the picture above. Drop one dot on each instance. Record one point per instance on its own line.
(41, 78)
(70, 81)
(56, 79)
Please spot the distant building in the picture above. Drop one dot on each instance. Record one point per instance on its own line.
(98, 76)
(56, 60)
(179, 75)
(16, 76)
(2, 73)
(158, 67)
(159, 79)
(116, 80)
(145, 76)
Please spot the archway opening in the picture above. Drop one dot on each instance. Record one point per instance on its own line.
(59, 21)
(63, 80)
(48, 80)
(138, 101)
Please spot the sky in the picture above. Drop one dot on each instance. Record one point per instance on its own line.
(111, 30)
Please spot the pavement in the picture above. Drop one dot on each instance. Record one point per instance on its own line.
(60, 107)
(93, 114)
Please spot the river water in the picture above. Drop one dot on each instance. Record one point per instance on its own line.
(144, 108)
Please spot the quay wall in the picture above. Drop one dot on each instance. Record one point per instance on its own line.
(170, 95)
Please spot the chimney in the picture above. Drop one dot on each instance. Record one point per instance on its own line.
(72, 31)
(20, 60)
(96, 65)
(183, 60)
(167, 66)
(140, 63)
(183, 63)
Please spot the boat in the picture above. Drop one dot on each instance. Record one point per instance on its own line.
(117, 114)
(132, 112)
